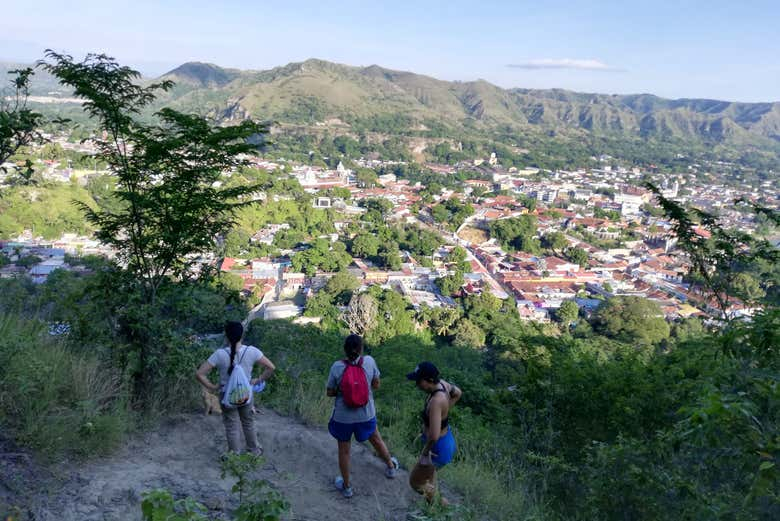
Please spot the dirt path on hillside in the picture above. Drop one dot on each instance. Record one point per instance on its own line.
(182, 456)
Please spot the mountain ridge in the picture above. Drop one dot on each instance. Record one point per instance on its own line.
(316, 90)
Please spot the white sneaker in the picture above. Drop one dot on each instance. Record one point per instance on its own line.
(391, 473)
(347, 492)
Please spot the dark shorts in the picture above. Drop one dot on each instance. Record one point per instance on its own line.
(444, 448)
(344, 431)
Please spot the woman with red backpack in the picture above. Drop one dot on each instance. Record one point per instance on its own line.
(352, 381)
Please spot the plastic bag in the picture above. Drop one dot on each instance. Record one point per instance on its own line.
(238, 391)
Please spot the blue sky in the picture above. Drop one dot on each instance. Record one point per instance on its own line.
(684, 48)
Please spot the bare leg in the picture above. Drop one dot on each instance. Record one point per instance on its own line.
(381, 449)
(431, 492)
(429, 489)
(344, 447)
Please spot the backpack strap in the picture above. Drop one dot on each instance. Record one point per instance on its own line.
(243, 353)
(359, 362)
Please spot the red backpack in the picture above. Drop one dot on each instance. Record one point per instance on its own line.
(354, 386)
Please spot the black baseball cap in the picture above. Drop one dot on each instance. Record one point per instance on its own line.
(424, 371)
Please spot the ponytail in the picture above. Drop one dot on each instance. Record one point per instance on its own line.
(353, 347)
(234, 331)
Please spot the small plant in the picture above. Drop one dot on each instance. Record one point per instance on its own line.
(239, 466)
(258, 501)
(159, 505)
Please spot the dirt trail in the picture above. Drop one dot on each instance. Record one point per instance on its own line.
(182, 456)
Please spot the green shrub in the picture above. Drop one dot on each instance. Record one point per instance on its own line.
(54, 399)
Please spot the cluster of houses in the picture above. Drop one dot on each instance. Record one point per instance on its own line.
(37, 258)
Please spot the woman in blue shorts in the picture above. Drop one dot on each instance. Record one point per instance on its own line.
(359, 422)
(439, 448)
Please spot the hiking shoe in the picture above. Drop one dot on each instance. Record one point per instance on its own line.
(347, 492)
(257, 451)
(391, 473)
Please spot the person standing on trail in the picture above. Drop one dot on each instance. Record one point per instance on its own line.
(440, 446)
(352, 381)
(227, 360)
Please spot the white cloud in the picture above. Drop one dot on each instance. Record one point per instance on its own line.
(564, 63)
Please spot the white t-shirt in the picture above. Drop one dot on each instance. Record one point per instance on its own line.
(246, 356)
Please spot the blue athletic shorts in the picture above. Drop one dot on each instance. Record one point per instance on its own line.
(344, 431)
(444, 449)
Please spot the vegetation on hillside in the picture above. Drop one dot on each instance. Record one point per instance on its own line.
(614, 416)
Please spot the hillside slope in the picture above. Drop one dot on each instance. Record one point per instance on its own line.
(183, 456)
(316, 90)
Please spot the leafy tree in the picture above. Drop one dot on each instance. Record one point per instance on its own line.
(717, 254)
(366, 178)
(516, 233)
(631, 319)
(18, 123)
(688, 329)
(440, 213)
(347, 146)
(165, 171)
(390, 256)
(28, 261)
(747, 287)
(236, 242)
(457, 255)
(340, 285)
(441, 319)
(577, 255)
(365, 245)
(555, 241)
(468, 334)
(231, 281)
(394, 317)
(322, 255)
(450, 284)
(568, 312)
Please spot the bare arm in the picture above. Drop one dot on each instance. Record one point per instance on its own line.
(331, 392)
(375, 383)
(201, 375)
(268, 370)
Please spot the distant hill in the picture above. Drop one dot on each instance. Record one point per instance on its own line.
(202, 74)
(356, 99)
(317, 90)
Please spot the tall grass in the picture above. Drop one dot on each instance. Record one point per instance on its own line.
(54, 398)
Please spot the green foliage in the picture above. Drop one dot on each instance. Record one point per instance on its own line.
(468, 334)
(166, 172)
(47, 209)
(19, 125)
(568, 312)
(365, 245)
(159, 505)
(452, 213)
(555, 241)
(719, 257)
(516, 233)
(257, 500)
(322, 255)
(631, 319)
(53, 398)
(577, 255)
(450, 284)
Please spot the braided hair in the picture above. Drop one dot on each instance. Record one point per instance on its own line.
(234, 331)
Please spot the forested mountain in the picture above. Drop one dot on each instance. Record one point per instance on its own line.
(383, 99)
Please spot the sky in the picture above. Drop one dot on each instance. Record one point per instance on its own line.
(683, 48)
